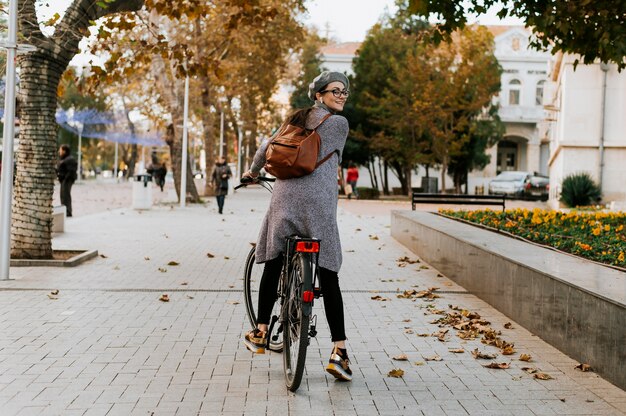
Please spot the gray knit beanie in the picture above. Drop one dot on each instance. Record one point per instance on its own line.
(324, 79)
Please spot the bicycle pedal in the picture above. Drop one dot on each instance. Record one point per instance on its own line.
(312, 331)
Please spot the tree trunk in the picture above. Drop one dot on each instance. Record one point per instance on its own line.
(386, 177)
(444, 168)
(371, 168)
(208, 137)
(172, 91)
(36, 158)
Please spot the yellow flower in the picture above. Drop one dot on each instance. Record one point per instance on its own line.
(620, 258)
(597, 231)
(607, 228)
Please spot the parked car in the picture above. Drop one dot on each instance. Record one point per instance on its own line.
(537, 187)
(510, 183)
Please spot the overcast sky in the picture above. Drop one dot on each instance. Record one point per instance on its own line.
(347, 20)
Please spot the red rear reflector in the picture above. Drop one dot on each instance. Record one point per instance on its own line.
(308, 296)
(308, 247)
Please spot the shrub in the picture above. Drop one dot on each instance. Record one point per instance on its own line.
(579, 190)
(368, 193)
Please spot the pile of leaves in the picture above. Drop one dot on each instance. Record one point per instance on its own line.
(596, 236)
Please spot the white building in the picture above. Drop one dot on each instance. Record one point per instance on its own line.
(524, 73)
(524, 146)
(587, 125)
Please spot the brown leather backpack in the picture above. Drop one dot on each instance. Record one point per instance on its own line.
(293, 152)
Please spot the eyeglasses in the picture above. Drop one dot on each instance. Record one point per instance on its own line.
(337, 92)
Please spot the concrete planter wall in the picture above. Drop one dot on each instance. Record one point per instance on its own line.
(577, 306)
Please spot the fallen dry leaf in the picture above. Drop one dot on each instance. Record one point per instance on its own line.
(173, 263)
(542, 376)
(358, 229)
(162, 269)
(497, 366)
(479, 354)
(379, 298)
(184, 284)
(226, 258)
(457, 350)
(508, 325)
(209, 255)
(408, 331)
(584, 367)
(529, 370)
(373, 237)
(146, 258)
(433, 358)
(189, 297)
(164, 298)
(54, 292)
(103, 256)
(396, 373)
(525, 357)
(508, 350)
(401, 357)
(233, 302)
(423, 335)
(424, 267)
(406, 320)
(418, 363)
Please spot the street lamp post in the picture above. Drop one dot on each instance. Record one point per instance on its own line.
(80, 127)
(183, 173)
(6, 183)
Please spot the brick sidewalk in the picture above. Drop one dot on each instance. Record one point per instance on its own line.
(108, 346)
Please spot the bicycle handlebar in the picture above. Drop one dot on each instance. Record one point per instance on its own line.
(246, 180)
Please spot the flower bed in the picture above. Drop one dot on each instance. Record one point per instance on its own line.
(596, 236)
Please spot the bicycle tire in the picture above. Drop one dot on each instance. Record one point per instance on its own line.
(251, 282)
(297, 320)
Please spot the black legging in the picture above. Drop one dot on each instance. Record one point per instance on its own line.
(329, 283)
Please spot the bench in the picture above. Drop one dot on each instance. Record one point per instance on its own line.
(457, 199)
(58, 218)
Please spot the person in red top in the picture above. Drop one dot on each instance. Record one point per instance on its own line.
(351, 178)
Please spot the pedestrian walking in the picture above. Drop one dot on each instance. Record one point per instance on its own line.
(66, 174)
(219, 178)
(351, 178)
(307, 206)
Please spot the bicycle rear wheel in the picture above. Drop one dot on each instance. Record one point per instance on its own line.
(251, 282)
(297, 320)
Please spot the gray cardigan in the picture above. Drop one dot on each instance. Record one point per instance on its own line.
(306, 206)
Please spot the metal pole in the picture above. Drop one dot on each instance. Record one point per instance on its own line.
(239, 148)
(183, 173)
(80, 152)
(115, 166)
(222, 134)
(605, 69)
(6, 184)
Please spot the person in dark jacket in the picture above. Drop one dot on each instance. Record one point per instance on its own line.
(66, 173)
(220, 177)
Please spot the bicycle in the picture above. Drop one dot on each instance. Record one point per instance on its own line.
(297, 289)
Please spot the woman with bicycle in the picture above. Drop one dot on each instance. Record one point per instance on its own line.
(307, 206)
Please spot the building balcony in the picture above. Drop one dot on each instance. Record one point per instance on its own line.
(521, 114)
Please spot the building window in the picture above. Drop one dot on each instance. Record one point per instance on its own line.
(539, 93)
(515, 87)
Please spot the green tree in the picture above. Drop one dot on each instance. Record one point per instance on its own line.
(592, 29)
(310, 66)
(384, 50)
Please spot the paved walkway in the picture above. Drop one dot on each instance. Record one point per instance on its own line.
(108, 346)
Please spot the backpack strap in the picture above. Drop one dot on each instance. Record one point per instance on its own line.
(326, 117)
(317, 165)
